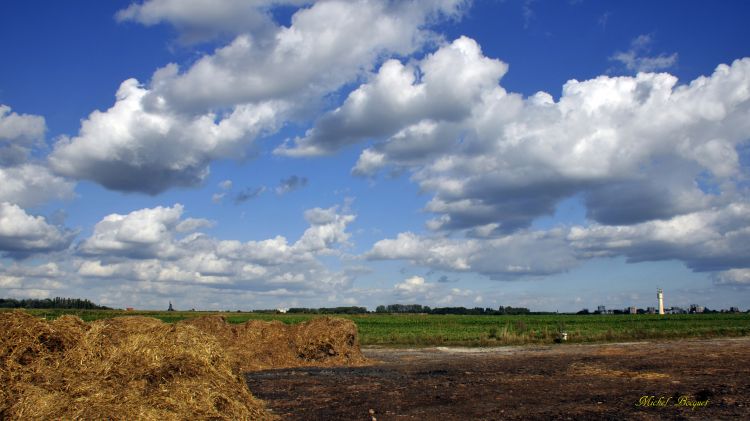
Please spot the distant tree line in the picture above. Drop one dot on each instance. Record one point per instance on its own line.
(328, 310)
(417, 308)
(407, 309)
(57, 302)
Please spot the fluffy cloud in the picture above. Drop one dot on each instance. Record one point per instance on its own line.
(738, 277)
(512, 256)
(316, 54)
(712, 240)
(22, 182)
(141, 234)
(715, 240)
(165, 135)
(22, 234)
(445, 86)
(26, 184)
(31, 185)
(135, 147)
(413, 285)
(327, 228)
(40, 281)
(636, 148)
(416, 289)
(20, 127)
(158, 245)
(200, 20)
(18, 133)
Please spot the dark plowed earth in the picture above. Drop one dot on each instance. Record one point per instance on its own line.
(577, 382)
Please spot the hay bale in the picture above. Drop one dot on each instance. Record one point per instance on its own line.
(328, 340)
(123, 368)
(142, 368)
(258, 345)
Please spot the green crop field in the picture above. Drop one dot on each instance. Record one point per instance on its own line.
(430, 330)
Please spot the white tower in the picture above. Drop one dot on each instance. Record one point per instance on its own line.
(660, 296)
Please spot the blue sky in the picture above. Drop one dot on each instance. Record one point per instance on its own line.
(261, 154)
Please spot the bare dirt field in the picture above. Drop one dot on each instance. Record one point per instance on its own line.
(684, 379)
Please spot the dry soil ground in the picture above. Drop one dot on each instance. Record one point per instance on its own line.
(578, 382)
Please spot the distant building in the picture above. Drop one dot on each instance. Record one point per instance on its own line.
(660, 298)
(632, 310)
(677, 310)
(695, 308)
(129, 309)
(734, 309)
(601, 310)
(170, 307)
(651, 310)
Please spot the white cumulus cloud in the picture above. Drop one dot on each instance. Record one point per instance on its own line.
(445, 86)
(142, 233)
(201, 20)
(738, 277)
(635, 148)
(715, 240)
(22, 181)
(18, 133)
(316, 54)
(517, 255)
(159, 245)
(22, 234)
(709, 240)
(134, 147)
(413, 285)
(31, 185)
(167, 133)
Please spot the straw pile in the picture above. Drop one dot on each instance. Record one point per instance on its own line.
(123, 368)
(257, 345)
